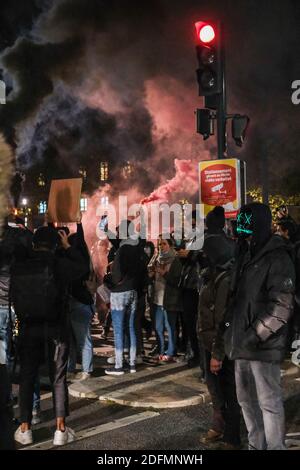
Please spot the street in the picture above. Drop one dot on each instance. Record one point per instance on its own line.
(108, 426)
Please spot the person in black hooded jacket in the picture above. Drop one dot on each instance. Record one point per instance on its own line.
(256, 324)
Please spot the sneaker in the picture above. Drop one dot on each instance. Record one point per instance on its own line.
(36, 417)
(111, 360)
(166, 358)
(63, 437)
(23, 438)
(132, 369)
(82, 376)
(114, 371)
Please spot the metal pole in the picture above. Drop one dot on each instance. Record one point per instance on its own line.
(221, 111)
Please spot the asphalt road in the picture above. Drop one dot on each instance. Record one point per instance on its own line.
(107, 426)
(169, 429)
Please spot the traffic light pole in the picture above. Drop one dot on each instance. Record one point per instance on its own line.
(221, 110)
(221, 124)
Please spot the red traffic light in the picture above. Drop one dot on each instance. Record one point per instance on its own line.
(205, 32)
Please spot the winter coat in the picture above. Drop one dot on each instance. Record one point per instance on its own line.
(173, 296)
(189, 277)
(213, 300)
(261, 305)
(127, 266)
(168, 285)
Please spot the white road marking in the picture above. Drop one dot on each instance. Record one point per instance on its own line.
(86, 433)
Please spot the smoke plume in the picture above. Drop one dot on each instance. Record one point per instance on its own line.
(115, 81)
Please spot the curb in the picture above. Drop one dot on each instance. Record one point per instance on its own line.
(195, 400)
(117, 396)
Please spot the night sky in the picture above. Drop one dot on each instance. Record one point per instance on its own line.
(115, 80)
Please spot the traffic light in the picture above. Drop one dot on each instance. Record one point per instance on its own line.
(239, 128)
(205, 123)
(210, 71)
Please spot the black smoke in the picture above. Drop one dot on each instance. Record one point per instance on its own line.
(59, 52)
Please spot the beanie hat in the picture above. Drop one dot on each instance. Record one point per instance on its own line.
(215, 220)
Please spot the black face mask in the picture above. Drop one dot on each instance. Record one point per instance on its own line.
(244, 224)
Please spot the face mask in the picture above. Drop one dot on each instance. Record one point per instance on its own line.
(244, 227)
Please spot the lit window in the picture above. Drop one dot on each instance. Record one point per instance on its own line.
(103, 171)
(83, 204)
(42, 207)
(104, 201)
(41, 180)
(128, 170)
(82, 172)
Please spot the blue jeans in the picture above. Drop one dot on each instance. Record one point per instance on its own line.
(81, 340)
(260, 397)
(164, 320)
(5, 334)
(123, 310)
(36, 405)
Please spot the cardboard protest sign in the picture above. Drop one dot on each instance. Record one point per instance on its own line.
(64, 200)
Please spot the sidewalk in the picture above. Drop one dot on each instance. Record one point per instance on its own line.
(163, 386)
(154, 385)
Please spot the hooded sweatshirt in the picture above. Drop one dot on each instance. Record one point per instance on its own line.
(261, 305)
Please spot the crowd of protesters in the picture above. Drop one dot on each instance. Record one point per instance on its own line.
(232, 307)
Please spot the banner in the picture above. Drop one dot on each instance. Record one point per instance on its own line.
(220, 185)
(64, 200)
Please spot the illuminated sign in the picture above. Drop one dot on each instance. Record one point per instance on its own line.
(222, 184)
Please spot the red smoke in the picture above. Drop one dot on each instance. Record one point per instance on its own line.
(186, 179)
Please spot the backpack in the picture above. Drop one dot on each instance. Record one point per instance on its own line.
(33, 291)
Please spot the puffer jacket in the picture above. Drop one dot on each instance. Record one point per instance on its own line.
(256, 324)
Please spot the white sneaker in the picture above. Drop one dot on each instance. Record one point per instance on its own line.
(23, 438)
(61, 438)
(82, 376)
(112, 359)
